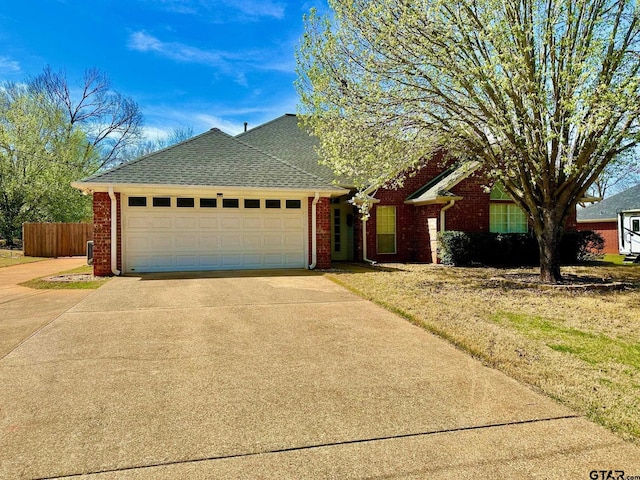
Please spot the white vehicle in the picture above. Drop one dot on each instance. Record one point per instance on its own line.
(629, 232)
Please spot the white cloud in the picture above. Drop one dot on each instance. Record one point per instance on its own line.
(7, 65)
(220, 10)
(234, 64)
(258, 8)
(162, 120)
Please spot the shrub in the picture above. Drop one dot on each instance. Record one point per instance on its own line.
(511, 249)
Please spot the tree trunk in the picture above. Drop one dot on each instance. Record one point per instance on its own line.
(549, 244)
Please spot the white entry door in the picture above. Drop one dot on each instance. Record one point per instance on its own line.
(171, 234)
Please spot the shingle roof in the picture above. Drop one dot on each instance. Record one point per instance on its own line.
(609, 208)
(213, 159)
(284, 138)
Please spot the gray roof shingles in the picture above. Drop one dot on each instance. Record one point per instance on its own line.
(609, 208)
(216, 159)
(284, 138)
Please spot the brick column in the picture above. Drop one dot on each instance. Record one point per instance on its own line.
(102, 234)
(323, 232)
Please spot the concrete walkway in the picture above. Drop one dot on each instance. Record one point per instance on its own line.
(282, 376)
(24, 310)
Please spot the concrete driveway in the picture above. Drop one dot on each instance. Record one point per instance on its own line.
(23, 310)
(280, 375)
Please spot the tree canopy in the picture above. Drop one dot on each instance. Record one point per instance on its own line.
(111, 122)
(544, 93)
(39, 157)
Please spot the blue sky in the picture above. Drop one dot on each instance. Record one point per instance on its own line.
(199, 63)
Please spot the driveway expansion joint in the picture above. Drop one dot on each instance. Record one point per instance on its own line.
(315, 446)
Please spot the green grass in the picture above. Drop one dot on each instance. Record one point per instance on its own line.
(613, 258)
(15, 257)
(593, 348)
(44, 284)
(581, 348)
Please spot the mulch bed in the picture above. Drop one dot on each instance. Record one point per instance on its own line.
(568, 282)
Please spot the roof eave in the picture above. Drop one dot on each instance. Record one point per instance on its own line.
(596, 220)
(92, 187)
(435, 200)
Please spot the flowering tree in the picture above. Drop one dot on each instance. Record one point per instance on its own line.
(544, 93)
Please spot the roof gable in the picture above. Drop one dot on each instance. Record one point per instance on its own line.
(212, 159)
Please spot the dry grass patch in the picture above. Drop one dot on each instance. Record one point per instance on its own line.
(15, 257)
(580, 347)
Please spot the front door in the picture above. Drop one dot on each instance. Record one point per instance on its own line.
(342, 219)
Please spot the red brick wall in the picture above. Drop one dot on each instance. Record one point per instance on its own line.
(608, 230)
(471, 214)
(102, 234)
(412, 234)
(323, 232)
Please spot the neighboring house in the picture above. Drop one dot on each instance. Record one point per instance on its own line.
(261, 200)
(617, 219)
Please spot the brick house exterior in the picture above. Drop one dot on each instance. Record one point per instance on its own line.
(252, 180)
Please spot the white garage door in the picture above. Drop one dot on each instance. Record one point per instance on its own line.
(173, 234)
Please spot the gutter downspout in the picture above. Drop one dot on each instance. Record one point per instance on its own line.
(442, 215)
(114, 232)
(364, 243)
(314, 228)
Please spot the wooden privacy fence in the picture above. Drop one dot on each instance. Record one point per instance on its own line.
(56, 239)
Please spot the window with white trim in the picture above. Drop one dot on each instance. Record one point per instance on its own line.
(386, 229)
(504, 215)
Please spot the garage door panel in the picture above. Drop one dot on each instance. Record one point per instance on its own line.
(273, 223)
(232, 260)
(139, 263)
(209, 261)
(230, 241)
(162, 222)
(162, 261)
(252, 223)
(137, 222)
(294, 259)
(231, 223)
(186, 262)
(208, 242)
(273, 241)
(293, 242)
(252, 241)
(293, 223)
(179, 239)
(208, 223)
(138, 243)
(186, 242)
(158, 244)
(185, 222)
(252, 260)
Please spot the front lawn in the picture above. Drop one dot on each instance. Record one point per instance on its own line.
(579, 347)
(15, 257)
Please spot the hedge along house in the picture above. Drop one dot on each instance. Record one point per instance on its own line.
(261, 200)
(617, 219)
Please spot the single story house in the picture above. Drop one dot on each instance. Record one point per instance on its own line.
(261, 200)
(617, 219)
